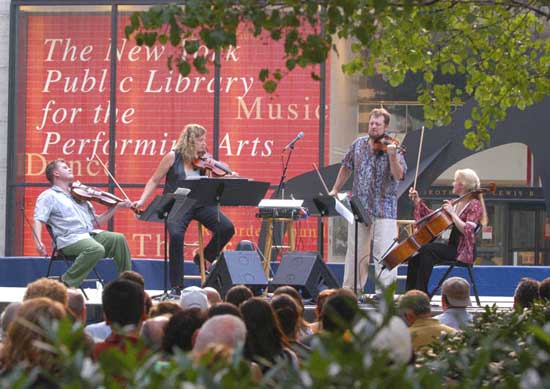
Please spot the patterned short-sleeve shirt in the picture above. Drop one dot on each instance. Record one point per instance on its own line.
(373, 182)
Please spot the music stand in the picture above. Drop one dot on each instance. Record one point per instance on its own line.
(206, 191)
(165, 208)
(361, 216)
(326, 207)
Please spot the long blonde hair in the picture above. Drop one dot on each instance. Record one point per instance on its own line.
(186, 147)
(470, 180)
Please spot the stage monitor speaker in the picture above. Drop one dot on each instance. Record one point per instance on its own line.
(306, 272)
(236, 268)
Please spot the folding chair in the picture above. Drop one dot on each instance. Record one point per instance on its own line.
(57, 255)
(469, 267)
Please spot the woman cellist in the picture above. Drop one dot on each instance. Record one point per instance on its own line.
(186, 160)
(467, 214)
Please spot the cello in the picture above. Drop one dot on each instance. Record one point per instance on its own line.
(427, 229)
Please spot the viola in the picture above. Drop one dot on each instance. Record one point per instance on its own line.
(216, 168)
(427, 229)
(381, 144)
(86, 193)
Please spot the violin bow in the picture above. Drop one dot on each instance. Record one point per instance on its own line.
(320, 177)
(418, 159)
(110, 175)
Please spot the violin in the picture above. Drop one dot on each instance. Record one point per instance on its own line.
(216, 168)
(86, 193)
(381, 144)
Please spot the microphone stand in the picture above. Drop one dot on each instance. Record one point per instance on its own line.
(281, 186)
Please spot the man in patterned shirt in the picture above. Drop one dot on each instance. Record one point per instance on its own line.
(376, 175)
(74, 225)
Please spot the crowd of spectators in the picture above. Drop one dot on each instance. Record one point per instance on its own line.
(266, 329)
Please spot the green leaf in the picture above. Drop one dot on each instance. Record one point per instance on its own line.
(183, 67)
(192, 46)
(264, 73)
(270, 86)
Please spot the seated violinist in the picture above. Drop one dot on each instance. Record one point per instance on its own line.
(176, 166)
(74, 225)
(467, 213)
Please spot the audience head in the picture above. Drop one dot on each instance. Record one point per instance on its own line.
(238, 294)
(181, 328)
(134, 276)
(414, 304)
(321, 299)
(224, 309)
(339, 311)
(165, 308)
(227, 330)
(288, 313)
(123, 303)
(46, 287)
(213, 296)
(22, 344)
(527, 291)
(76, 306)
(455, 293)
(194, 297)
(152, 331)
(264, 337)
(8, 315)
(544, 289)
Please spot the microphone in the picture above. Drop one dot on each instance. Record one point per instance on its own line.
(291, 144)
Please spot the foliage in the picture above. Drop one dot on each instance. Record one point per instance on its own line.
(497, 47)
(504, 349)
(501, 348)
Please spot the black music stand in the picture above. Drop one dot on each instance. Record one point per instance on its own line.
(162, 210)
(326, 205)
(361, 216)
(206, 191)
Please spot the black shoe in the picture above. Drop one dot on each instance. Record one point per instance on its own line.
(176, 291)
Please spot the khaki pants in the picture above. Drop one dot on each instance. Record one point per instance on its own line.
(88, 251)
(385, 231)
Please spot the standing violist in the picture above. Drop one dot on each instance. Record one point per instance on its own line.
(376, 177)
(176, 166)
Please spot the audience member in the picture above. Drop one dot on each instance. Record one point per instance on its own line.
(227, 330)
(165, 308)
(46, 287)
(288, 314)
(213, 296)
(339, 311)
(25, 346)
(527, 291)
(8, 315)
(415, 308)
(238, 294)
(544, 289)
(194, 297)
(134, 276)
(152, 331)
(265, 341)
(303, 326)
(124, 310)
(181, 328)
(321, 299)
(455, 297)
(224, 309)
(76, 306)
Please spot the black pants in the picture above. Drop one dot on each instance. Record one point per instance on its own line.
(222, 231)
(420, 266)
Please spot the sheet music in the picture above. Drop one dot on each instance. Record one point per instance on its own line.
(182, 191)
(344, 212)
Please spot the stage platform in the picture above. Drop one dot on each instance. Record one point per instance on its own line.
(93, 304)
(496, 284)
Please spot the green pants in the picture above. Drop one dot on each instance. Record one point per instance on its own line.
(105, 244)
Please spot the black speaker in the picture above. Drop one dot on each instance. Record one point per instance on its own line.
(306, 272)
(236, 268)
